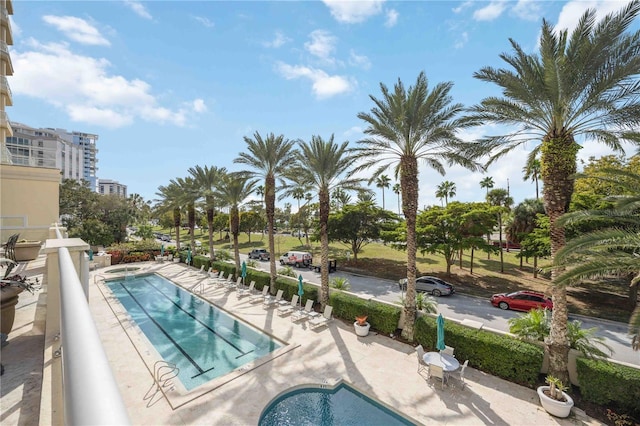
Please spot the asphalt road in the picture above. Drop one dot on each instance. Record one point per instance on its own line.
(460, 307)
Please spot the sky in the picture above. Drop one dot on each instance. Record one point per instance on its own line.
(168, 85)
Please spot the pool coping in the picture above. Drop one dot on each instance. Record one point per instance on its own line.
(176, 394)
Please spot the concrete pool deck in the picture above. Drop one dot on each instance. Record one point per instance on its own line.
(378, 366)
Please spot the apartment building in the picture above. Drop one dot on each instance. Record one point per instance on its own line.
(109, 187)
(86, 141)
(6, 69)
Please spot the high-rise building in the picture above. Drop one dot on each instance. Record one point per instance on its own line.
(89, 160)
(107, 187)
(6, 68)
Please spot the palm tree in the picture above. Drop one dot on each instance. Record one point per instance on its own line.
(322, 165)
(341, 198)
(383, 182)
(446, 190)
(366, 196)
(269, 159)
(583, 84)
(234, 189)
(396, 189)
(500, 199)
(524, 221)
(206, 180)
(171, 201)
(532, 171)
(487, 183)
(405, 126)
(188, 196)
(612, 249)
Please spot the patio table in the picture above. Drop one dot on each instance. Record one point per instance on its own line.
(447, 362)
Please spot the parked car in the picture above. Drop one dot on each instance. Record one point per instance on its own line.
(521, 300)
(260, 254)
(432, 285)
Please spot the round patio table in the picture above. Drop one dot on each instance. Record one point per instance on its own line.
(447, 362)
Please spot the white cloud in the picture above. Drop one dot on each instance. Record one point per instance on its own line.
(322, 45)
(462, 40)
(353, 12)
(490, 12)
(462, 7)
(573, 10)
(77, 29)
(323, 84)
(527, 9)
(138, 8)
(359, 60)
(354, 131)
(278, 40)
(204, 21)
(84, 88)
(15, 28)
(392, 18)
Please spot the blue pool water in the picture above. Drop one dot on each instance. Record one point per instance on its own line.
(203, 341)
(343, 405)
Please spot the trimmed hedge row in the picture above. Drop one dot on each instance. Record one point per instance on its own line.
(382, 317)
(605, 383)
(502, 356)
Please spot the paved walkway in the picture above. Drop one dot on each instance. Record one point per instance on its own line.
(377, 365)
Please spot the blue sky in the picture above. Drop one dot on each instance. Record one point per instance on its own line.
(173, 84)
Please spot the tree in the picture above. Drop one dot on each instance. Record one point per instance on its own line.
(251, 222)
(396, 189)
(359, 224)
(188, 196)
(322, 165)
(171, 201)
(268, 158)
(404, 127)
(207, 179)
(500, 199)
(524, 221)
(583, 84)
(383, 182)
(235, 188)
(446, 190)
(537, 243)
(532, 171)
(341, 198)
(77, 203)
(487, 183)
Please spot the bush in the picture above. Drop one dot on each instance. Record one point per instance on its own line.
(609, 384)
(502, 356)
(381, 316)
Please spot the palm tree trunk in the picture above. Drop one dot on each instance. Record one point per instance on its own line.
(471, 266)
(500, 238)
(270, 207)
(210, 226)
(235, 227)
(535, 266)
(176, 222)
(324, 200)
(192, 225)
(409, 189)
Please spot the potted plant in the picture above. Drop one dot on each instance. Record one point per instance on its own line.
(554, 399)
(361, 325)
(10, 288)
(27, 250)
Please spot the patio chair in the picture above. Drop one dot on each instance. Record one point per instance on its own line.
(448, 350)
(256, 298)
(230, 284)
(323, 320)
(221, 280)
(459, 374)
(437, 371)
(302, 314)
(421, 364)
(271, 300)
(288, 308)
(246, 291)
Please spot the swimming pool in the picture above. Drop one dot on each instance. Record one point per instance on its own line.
(342, 405)
(204, 341)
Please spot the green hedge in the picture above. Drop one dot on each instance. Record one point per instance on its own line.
(382, 317)
(502, 356)
(606, 383)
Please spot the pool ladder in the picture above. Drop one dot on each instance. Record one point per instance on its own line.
(163, 374)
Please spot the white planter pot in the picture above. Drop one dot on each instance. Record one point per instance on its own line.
(554, 407)
(361, 330)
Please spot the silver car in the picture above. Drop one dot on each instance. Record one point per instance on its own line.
(432, 285)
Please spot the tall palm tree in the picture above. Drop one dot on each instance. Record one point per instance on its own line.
(406, 126)
(446, 190)
(206, 180)
(188, 196)
(579, 85)
(323, 165)
(268, 158)
(487, 183)
(532, 171)
(383, 181)
(171, 201)
(612, 249)
(234, 189)
(341, 198)
(396, 189)
(524, 221)
(500, 199)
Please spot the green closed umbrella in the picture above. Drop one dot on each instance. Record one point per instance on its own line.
(162, 250)
(440, 343)
(244, 271)
(188, 261)
(300, 289)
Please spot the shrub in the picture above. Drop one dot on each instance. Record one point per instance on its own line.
(381, 316)
(340, 283)
(287, 271)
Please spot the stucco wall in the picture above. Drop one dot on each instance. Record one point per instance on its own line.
(29, 201)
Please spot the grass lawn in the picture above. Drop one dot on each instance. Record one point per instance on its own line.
(604, 299)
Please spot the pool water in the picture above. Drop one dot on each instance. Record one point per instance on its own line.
(343, 405)
(204, 341)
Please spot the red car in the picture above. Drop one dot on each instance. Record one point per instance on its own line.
(521, 301)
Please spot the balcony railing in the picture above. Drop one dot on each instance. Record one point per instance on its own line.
(4, 87)
(4, 53)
